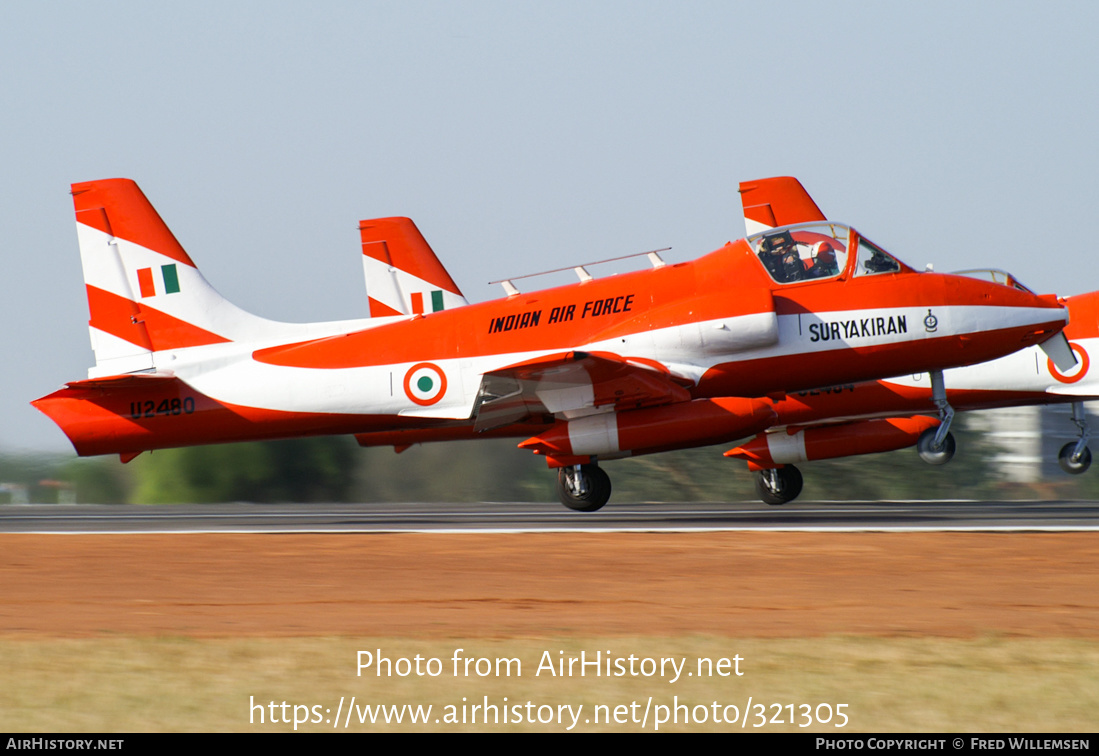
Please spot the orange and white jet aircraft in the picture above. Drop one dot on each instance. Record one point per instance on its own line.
(878, 416)
(671, 357)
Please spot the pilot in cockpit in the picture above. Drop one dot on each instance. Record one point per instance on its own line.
(824, 261)
(779, 254)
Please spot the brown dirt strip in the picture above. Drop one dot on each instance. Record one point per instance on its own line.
(518, 585)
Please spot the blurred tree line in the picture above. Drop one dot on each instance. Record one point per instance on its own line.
(336, 469)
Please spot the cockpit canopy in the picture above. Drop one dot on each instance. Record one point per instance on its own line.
(996, 276)
(817, 251)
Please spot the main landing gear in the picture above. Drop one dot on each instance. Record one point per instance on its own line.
(778, 485)
(585, 488)
(1075, 458)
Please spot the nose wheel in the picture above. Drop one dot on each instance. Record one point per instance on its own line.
(1075, 458)
(934, 454)
(936, 446)
(584, 488)
(778, 486)
(1072, 463)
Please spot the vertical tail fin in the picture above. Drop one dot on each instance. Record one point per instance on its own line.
(144, 292)
(779, 201)
(403, 275)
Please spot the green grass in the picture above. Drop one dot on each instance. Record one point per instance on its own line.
(119, 684)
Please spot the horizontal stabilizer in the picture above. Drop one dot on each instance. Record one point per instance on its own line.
(127, 380)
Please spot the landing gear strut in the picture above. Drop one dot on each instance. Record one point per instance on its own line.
(1076, 458)
(936, 445)
(778, 485)
(585, 488)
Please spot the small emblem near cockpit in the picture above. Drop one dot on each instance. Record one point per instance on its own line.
(930, 323)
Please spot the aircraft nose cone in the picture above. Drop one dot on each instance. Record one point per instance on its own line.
(1001, 319)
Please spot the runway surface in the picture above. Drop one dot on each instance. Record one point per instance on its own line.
(517, 570)
(550, 517)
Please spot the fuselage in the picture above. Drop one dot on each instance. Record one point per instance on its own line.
(720, 326)
(874, 416)
(1025, 377)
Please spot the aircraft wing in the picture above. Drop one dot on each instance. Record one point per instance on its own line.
(779, 201)
(573, 382)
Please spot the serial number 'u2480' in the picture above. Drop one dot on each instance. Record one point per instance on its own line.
(151, 408)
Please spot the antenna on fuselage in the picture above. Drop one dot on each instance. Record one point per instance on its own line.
(581, 271)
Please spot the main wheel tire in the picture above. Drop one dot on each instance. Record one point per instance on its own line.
(784, 486)
(931, 455)
(1071, 466)
(596, 485)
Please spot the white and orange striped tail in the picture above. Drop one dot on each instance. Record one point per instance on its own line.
(145, 294)
(403, 275)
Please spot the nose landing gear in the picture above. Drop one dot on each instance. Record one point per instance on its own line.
(1075, 458)
(931, 454)
(936, 445)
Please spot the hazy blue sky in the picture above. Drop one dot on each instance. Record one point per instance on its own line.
(524, 136)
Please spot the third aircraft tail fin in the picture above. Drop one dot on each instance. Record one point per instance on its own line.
(779, 201)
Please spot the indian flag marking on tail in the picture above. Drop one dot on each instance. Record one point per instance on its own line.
(418, 301)
(171, 279)
(145, 282)
(147, 285)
